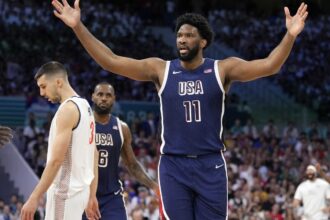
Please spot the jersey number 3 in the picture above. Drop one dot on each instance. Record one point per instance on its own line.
(92, 127)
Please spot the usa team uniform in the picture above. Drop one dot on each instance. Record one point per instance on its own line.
(192, 169)
(109, 141)
(68, 195)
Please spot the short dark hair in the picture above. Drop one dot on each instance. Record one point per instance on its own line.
(51, 68)
(198, 21)
(106, 84)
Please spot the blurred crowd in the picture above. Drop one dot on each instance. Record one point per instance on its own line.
(265, 165)
(304, 76)
(27, 41)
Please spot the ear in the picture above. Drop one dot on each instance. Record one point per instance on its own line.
(59, 82)
(203, 43)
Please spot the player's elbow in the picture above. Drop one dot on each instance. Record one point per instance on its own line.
(273, 67)
(55, 162)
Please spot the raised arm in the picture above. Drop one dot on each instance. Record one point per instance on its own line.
(67, 119)
(145, 70)
(133, 166)
(236, 69)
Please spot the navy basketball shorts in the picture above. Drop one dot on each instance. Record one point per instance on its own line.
(193, 188)
(111, 207)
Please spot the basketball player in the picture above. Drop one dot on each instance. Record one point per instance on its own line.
(70, 166)
(314, 194)
(113, 139)
(192, 170)
(5, 135)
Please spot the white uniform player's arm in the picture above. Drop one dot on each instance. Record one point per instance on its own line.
(67, 119)
(92, 209)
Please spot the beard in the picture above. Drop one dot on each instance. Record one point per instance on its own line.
(310, 176)
(102, 110)
(192, 53)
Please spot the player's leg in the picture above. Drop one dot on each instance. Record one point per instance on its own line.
(177, 198)
(211, 187)
(112, 207)
(75, 206)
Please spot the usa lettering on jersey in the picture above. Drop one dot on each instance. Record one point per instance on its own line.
(191, 88)
(103, 139)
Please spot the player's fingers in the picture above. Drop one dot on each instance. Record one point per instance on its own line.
(57, 5)
(287, 12)
(304, 16)
(76, 4)
(304, 9)
(301, 7)
(57, 14)
(65, 3)
(98, 213)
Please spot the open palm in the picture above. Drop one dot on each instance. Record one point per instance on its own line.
(296, 23)
(70, 16)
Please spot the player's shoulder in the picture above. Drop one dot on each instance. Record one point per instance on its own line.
(322, 182)
(122, 123)
(68, 107)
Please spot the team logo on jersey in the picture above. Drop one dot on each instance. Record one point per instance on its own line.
(208, 71)
(89, 111)
(103, 139)
(115, 127)
(191, 88)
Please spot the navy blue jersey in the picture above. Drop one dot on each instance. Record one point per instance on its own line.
(109, 141)
(192, 108)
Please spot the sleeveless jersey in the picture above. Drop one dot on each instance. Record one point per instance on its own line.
(192, 108)
(77, 170)
(109, 141)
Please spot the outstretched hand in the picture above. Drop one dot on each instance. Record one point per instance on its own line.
(69, 15)
(296, 23)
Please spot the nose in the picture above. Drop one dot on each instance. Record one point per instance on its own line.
(42, 93)
(104, 98)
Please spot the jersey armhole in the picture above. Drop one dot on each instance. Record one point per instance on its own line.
(70, 100)
(217, 75)
(120, 132)
(165, 78)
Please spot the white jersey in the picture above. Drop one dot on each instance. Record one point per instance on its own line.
(77, 170)
(313, 195)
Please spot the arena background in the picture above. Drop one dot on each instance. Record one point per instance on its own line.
(275, 126)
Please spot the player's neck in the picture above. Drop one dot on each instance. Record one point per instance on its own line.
(102, 119)
(193, 64)
(67, 92)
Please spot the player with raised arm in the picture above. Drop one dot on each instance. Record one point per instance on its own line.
(192, 170)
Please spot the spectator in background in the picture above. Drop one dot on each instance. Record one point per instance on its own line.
(314, 195)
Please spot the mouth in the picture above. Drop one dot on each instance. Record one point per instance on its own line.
(183, 49)
(103, 105)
